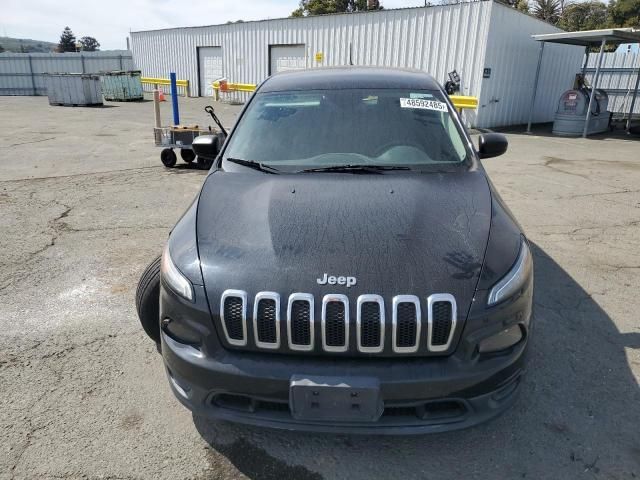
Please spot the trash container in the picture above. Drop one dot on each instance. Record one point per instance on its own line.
(572, 112)
(73, 89)
(122, 86)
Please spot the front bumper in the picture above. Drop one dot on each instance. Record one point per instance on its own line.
(419, 395)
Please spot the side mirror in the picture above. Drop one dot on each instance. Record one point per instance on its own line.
(206, 146)
(492, 145)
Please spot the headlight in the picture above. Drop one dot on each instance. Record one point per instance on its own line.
(515, 279)
(173, 278)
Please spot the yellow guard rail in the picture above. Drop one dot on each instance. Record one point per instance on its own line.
(165, 82)
(462, 102)
(224, 86)
(459, 101)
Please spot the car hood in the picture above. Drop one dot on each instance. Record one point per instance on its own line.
(414, 234)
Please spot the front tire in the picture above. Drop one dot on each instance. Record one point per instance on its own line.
(148, 300)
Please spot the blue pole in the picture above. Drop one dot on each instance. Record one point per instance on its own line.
(174, 99)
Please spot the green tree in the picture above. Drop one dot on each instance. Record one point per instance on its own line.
(547, 10)
(590, 15)
(522, 5)
(322, 7)
(89, 44)
(624, 13)
(67, 41)
(26, 48)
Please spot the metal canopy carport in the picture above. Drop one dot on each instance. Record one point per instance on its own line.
(587, 39)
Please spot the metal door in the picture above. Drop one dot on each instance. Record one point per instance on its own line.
(287, 57)
(210, 66)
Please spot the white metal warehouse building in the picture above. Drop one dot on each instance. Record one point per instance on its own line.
(487, 43)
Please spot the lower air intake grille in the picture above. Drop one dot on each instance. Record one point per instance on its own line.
(441, 322)
(233, 317)
(335, 324)
(266, 326)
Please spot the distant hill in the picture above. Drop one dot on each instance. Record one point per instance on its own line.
(25, 45)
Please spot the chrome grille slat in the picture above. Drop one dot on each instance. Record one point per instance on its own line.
(399, 324)
(231, 315)
(370, 327)
(438, 326)
(266, 320)
(335, 323)
(296, 317)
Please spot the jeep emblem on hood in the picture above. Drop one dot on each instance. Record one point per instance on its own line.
(331, 280)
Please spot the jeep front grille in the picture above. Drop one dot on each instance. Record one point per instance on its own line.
(406, 323)
(299, 327)
(233, 314)
(266, 320)
(370, 323)
(442, 321)
(335, 323)
(300, 322)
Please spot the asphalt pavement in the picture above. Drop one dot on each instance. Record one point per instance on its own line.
(85, 204)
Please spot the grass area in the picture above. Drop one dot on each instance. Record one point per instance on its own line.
(25, 45)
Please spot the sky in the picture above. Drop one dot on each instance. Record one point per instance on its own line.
(111, 20)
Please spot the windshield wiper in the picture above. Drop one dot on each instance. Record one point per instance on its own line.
(254, 165)
(356, 168)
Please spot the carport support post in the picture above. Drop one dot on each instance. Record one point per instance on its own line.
(174, 98)
(535, 87)
(633, 101)
(593, 89)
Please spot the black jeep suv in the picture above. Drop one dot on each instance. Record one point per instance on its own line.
(347, 265)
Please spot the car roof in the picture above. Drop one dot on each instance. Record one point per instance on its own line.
(349, 77)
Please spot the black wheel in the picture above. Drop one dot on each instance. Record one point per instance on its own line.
(187, 155)
(148, 300)
(168, 157)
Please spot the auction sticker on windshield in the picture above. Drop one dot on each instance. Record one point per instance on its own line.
(424, 104)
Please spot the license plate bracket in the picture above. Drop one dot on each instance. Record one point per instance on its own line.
(335, 399)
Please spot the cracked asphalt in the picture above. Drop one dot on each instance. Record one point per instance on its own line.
(85, 205)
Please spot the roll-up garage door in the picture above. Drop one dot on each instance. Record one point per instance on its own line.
(287, 57)
(210, 63)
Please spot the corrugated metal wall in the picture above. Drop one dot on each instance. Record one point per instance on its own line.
(22, 73)
(467, 37)
(512, 56)
(617, 76)
(435, 39)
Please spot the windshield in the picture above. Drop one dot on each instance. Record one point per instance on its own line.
(304, 130)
